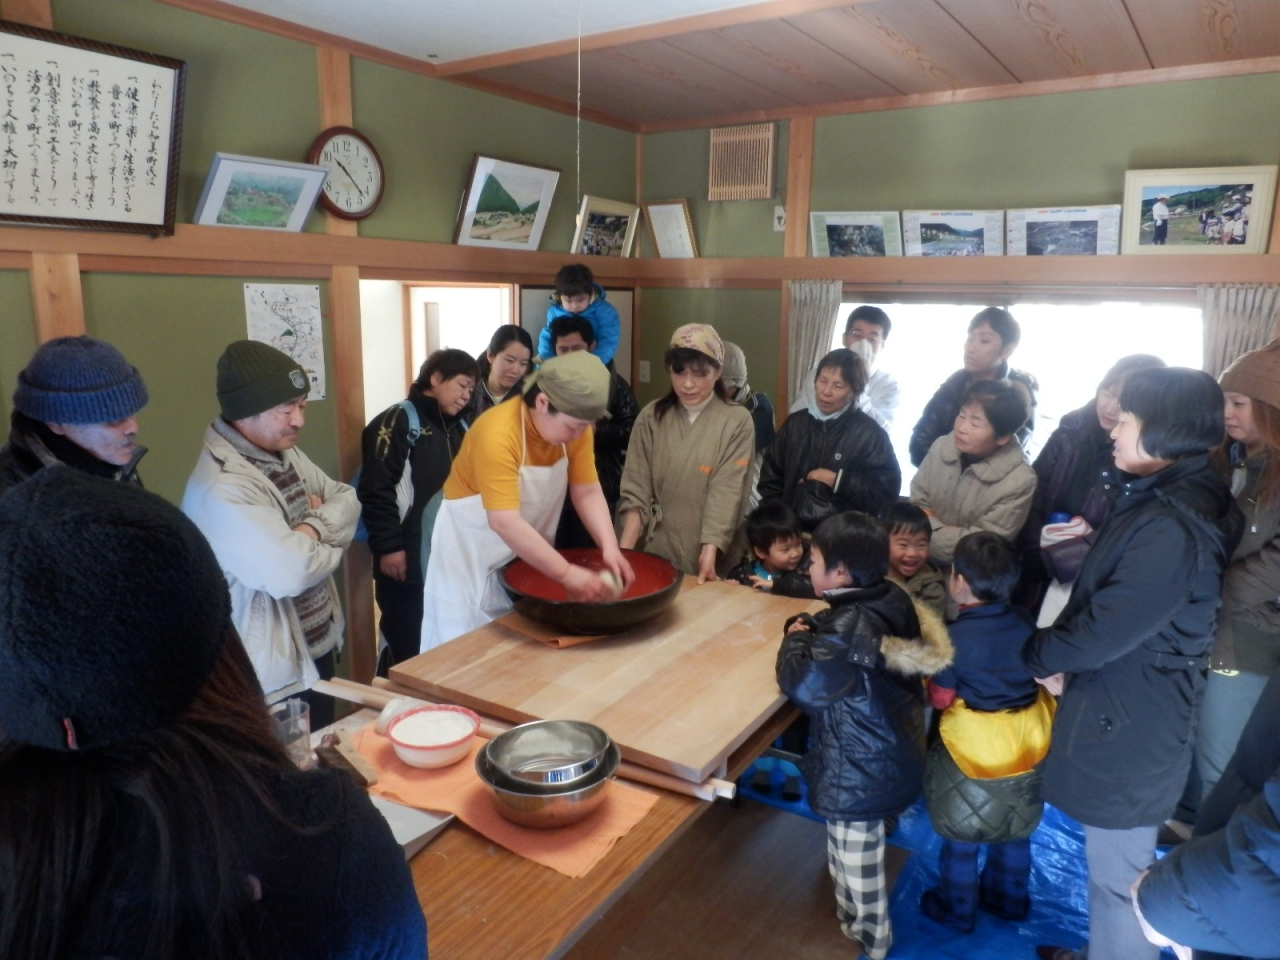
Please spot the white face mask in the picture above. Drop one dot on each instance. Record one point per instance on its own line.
(867, 352)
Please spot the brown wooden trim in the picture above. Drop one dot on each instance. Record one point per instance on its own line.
(15, 260)
(639, 175)
(334, 68)
(795, 242)
(34, 13)
(716, 20)
(784, 354)
(57, 299)
(100, 263)
(499, 89)
(406, 314)
(292, 31)
(637, 300)
(1274, 243)
(1105, 81)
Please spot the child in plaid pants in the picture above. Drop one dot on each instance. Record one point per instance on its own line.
(856, 669)
(982, 777)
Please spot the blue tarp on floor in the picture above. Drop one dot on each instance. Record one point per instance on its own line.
(1059, 911)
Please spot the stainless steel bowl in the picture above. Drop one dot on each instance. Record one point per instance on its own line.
(531, 806)
(548, 751)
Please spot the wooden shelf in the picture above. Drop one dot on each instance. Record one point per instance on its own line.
(233, 252)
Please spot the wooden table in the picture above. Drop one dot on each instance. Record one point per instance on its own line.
(483, 902)
(678, 694)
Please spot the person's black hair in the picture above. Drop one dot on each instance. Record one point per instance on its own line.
(449, 363)
(1181, 411)
(573, 280)
(851, 366)
(502, 338)
(999, 320)
(903, 517)
(675, 360)
(1127, 365)
(989, 564)
(857, 540)
(569, 324)
(869, 314)
(531, 395)
(1004, 403)
(770, 522)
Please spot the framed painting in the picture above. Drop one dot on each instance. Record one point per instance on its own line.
(867, 234)
(1063, 231)
(671, 228)
(505, 204)
(93, 135)
(1209, 210)
(606, 228)
(258, 193)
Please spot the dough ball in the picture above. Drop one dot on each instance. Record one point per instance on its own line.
(612, 581)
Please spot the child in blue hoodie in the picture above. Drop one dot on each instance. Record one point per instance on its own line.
(577, 293)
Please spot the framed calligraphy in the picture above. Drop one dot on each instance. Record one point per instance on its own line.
(90, 133)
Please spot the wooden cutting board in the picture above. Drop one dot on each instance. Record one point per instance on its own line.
(677, 694)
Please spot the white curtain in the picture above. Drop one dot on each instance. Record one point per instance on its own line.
(1237, 318)
(815, 305)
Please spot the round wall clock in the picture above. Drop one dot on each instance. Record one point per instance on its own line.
(353, 188)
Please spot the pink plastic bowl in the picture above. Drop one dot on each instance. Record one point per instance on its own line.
(426, 755)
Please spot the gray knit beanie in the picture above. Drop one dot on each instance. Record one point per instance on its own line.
(79, 380)
(113, 611)
(253, 377)
(734, 372)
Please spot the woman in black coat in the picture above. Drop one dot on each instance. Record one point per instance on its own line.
(832, 457)
(1128, 651)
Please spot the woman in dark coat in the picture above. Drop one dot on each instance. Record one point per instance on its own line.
(832, 457)
(1129, 650)
(1071, 471)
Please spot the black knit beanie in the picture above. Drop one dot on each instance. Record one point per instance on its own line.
(113, 611)
(254, 377)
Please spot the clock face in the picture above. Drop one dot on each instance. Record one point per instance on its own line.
(354, 185)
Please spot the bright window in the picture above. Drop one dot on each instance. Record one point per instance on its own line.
(1068, 348)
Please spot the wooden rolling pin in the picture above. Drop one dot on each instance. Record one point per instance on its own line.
(384, 691)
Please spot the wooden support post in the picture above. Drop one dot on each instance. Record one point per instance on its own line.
(795, 242)
(56, 297)
(33, 13)
(335, 111)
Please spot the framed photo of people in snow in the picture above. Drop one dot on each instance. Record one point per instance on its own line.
(91, 133)
(606, 228)
(1063, 231)
(953, 233)
(873, 233)
(1198, 210)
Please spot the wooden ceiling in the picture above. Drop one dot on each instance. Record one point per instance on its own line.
(805, 57)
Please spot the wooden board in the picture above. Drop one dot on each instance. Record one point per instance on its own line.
(677, 694)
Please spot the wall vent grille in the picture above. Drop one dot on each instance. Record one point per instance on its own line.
(741, 162)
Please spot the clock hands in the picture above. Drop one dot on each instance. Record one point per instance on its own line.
(349, 176)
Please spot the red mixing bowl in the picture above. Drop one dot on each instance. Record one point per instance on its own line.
(539, 597)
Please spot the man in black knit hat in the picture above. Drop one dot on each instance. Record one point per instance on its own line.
(277, 523)
(76, 404)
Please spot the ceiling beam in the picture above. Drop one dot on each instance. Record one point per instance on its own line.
(717, 20)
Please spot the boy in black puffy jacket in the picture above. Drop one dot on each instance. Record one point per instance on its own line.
(856, 669)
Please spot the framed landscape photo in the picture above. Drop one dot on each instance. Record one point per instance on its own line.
(505, 204)
(1063, 231)
(868, 234)
(92, 133)
(671, 228)
(1198, 210)
(258, 193)
(606, 228)
(953, 233)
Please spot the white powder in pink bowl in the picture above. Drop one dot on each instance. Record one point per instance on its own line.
(432, 728)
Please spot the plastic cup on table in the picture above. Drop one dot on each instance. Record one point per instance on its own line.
(292, 722)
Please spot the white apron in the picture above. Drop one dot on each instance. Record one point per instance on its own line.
(463, 588)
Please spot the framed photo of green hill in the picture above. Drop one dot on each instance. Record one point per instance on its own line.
(1211, 210)
(259, 194)
(505, 204)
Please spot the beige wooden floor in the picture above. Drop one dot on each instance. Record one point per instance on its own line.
(742, 882)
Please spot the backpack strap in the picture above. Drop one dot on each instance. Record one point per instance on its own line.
(415, 425)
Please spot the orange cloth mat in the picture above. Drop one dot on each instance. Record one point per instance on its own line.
(457, 789)
(544, 634)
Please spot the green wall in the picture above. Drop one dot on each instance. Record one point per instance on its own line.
(748, 318)
(17, 337)
(174, 329)
(675, 167)
(427, 132)
(1070, 148)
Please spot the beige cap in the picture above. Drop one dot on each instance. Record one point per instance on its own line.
(576, 384)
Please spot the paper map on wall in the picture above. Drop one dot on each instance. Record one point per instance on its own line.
(287, 316)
